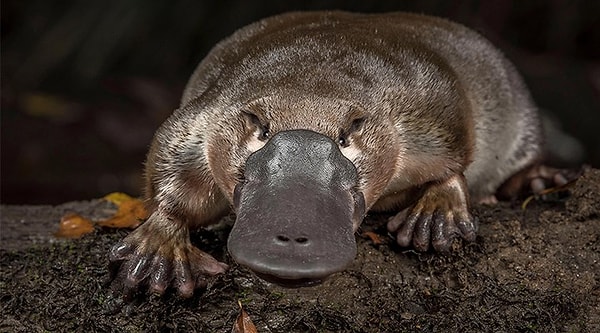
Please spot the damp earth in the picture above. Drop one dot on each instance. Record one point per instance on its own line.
(532, 269)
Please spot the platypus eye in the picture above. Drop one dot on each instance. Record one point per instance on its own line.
(343, 138)
(264, 134)
(263, 127)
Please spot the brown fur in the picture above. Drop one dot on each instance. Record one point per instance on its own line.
(436, 103)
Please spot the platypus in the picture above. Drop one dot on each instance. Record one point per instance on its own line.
(303, 122)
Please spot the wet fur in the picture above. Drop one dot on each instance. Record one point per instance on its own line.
(418, 104)
(400, 69)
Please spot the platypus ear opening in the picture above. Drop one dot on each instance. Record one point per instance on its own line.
(254, 119)
(355, 119)
(357, 124)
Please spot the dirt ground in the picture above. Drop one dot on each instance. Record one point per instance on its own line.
(532, 270)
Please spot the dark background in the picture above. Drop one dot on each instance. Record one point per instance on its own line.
(86, 83)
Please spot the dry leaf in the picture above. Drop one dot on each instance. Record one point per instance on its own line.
(130, 214)
(74, 226)
(243, 323)
(375, 238)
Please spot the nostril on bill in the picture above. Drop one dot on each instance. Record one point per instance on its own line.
(285, 240)
(301, 240)
(282, 239)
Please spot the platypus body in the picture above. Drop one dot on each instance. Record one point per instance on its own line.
(303, 122)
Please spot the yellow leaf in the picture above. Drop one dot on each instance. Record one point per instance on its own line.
(74, 226)
(117, 198)
(130, 214)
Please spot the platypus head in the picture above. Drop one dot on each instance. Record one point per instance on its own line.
(297, 209)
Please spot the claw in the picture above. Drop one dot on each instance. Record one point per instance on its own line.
(405, 230)
(120, 251)
(184, 282)
(439, 233)
(137, 269)
(159, 278)
(422, 234)
(438, 217)
(467, 227)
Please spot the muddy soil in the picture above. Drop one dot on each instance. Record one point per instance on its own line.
(531, 270)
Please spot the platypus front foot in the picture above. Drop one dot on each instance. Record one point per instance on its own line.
(437, 218)
(159, 255)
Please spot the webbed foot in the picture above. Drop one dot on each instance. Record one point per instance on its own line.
(159, 255)
(437, 218)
